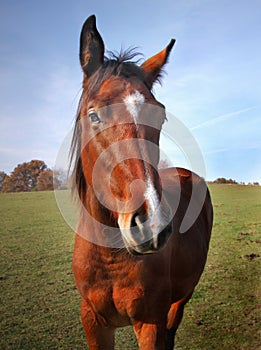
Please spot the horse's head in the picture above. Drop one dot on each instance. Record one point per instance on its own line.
(119, 124)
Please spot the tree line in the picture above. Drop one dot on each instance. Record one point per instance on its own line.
(223, 180)
(32, 176)
(36, 176)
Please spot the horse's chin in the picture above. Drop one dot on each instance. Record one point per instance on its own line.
(136, 251)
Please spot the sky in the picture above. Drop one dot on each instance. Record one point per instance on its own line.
(212, 81)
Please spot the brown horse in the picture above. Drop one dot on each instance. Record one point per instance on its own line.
(132, 263)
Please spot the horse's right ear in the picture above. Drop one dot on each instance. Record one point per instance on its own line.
(91, 47)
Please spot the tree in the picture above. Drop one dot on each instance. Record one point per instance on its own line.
(222, 180)
(45, 180)
(2, 177)
(35, 167)
(24, 177)
(7, 184)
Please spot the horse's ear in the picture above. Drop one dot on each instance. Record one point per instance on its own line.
(91, 47)
(154, 64)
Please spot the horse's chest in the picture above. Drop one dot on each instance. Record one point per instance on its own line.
(117, 298)
(125, 298)
(129, 301)
(117, 306)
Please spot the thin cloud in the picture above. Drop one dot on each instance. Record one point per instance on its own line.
(231, 149)
(221, 118)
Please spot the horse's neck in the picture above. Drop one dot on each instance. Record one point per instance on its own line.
(97, 224)
(97, 210)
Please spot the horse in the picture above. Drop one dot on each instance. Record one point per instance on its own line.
(132, 263)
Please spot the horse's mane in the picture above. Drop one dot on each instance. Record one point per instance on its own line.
(115, 64)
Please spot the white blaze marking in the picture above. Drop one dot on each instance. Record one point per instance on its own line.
(151, 196)
(133, 103)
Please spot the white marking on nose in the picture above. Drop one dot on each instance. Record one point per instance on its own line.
(133, 103)
(151, 196)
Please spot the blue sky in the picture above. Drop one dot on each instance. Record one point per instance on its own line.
(212, 83)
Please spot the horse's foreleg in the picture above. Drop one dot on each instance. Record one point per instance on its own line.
(150, 336)
(174, 319)
(99, 336)
(170, 339)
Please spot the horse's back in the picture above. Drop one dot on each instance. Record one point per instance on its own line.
(192, 224)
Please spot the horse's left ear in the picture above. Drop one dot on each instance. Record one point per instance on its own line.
(153, 65)
(91, 47)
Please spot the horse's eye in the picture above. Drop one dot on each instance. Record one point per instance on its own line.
(94, 117)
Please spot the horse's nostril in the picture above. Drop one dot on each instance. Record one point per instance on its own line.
(138, 219)
(134, 220)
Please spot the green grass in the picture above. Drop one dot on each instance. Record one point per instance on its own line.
(40, 305)
(224, 314)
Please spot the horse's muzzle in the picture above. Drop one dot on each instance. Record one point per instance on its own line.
(153, 245)
(145, 235)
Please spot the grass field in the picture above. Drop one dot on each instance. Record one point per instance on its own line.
(40, 305)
